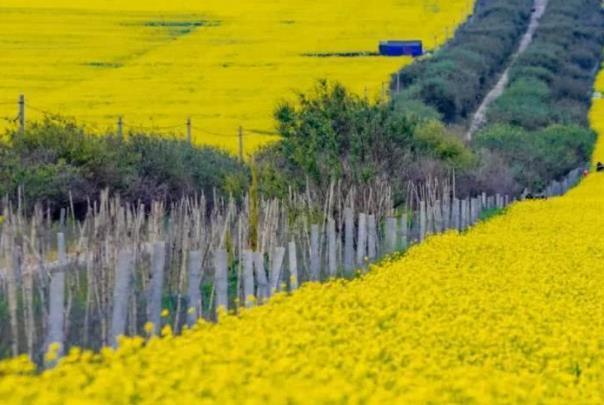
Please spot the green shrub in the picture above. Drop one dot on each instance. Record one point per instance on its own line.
(55, 157)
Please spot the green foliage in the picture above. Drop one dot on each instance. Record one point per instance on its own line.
(333, 134)
(538, 157)
(56, 157)
(433, 139)
(455, 79)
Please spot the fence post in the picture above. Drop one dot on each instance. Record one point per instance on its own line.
(362, 239)
(220, 279)
(422, 221)
(189, 130)
(22, 114)
(194, 293)
(56, 313)
(404, 231)
(241, 144)
(438, 217)
(465, 213)
(121, 294)
(371, 237)
(263, 289)
(248, 278)
(12, 286)
(332, 265)
(158, 263)
(275, 269)
(456, 214)
(348, 240)
(315, 254)
(120, 127)
(293, 266)
(390, 235)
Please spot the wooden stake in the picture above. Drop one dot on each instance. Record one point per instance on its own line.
(22, 114)
(241, 144)
(189, 130)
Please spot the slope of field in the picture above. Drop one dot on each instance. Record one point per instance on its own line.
(510, 312)
(224, 63)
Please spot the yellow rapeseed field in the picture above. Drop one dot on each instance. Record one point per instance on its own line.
(509, 312)
(224, 63)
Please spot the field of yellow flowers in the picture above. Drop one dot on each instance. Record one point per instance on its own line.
(224, 63)
(509, 312)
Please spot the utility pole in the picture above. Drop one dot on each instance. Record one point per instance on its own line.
(241, 144)
(189, 129)
(22, 114)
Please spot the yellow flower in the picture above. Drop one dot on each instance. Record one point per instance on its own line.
(149, 327)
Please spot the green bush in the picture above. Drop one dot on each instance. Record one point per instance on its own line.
(335, 135)
(455, 79)
(56, 157)
(537, 158)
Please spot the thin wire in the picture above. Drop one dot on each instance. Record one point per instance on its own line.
(145, 128)
(215, 133)
(31, 107)
(9, 119)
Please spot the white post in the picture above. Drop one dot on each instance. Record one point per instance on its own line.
(404, 231)
(121, 294)
(390, 235)
(348, 240)
(194, 293)
(158, 263)
(248, 278)
(263, 288)
(422, 221)
(315, 254)
(362, 239)
(56, 313)
(371, 237)
(293, 266)
(221, 279)
(331, 248)
(275, 269)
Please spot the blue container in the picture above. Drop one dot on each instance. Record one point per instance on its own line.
(401, 48)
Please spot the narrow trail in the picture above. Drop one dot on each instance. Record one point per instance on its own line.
(479, 118)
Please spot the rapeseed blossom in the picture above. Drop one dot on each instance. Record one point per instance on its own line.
(510, 312)
(223, 63)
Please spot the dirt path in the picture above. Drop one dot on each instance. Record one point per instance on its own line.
(480, 118)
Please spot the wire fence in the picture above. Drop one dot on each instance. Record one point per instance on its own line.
(23, 109)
